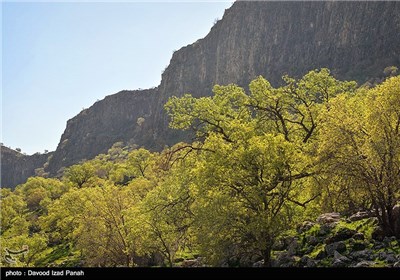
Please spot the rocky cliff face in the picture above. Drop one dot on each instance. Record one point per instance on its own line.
(17, 167)
(120, 117)
(356, 40)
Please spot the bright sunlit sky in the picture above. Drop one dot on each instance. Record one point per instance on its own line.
(60, 57)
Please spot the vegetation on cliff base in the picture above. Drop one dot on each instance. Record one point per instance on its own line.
(261, 164)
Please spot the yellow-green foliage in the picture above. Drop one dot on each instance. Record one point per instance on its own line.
(262, 162)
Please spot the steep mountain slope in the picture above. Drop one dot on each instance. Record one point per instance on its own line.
(356, 40)
(17, 167)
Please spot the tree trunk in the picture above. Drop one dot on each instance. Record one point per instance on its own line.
(267, 256)
(391, 225)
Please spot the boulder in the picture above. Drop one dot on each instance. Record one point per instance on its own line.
(189, 263)
(306, 250)
(293, 247)
(342, 234)
(388, 240)
(338, 256)
(358, 246)
(337, 246)
(338, 263)
(326, 229)
(312, 240)
(387, 257)
(359, 216)
(391, 258)
(193, 262)
(378, 234)
(259, 264)
(359, 236)
(366, 254)
(328, 218)
(284, 260)
(306, 261)
(365, 264)
(306, 225)
(321, 255)
(339, 260)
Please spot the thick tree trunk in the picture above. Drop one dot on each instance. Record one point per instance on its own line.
(267, 256)
(391, 225)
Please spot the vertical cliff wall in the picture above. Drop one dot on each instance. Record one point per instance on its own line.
(17, 167)
(356, 40)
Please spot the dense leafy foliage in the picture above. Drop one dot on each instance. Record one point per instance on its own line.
(261, 163)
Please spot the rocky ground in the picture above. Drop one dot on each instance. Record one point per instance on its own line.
(332, 241)
(335, 241)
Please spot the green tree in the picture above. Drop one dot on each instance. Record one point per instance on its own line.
(23, 250)
(13, 208)
(254, 159)
(80, 174)
(162, 219)
(360, 149)
(93, 220)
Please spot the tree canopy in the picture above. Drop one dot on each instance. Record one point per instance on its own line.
(262, 162)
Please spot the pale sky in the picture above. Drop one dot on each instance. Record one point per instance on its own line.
(60, 57)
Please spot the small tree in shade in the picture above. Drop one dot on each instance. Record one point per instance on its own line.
(390, 71)
(140, 121)
(18, 150)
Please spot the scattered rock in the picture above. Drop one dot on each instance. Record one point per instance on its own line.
(377, 245)
(362, 255)
(192, 263)
(189, 263)
(338, 256)
(338, 263)
(303, 260)
(359, 216)
(311, 263)
(306, 225)
(359, 236)
(259, 264)
(287, 241)
(306, 250)
(306, 261)
(388, 257)
(293, 247)
(388, 240)
(321, 255)
(342, 234)
(312, 240)
(328, 218)
(325, 229)
(365, 264)
(339, 260)
(358, 246)
(378, 234)
(285, 260)
(337, 246)
(391, 258)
